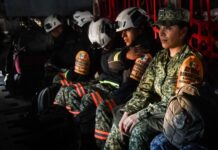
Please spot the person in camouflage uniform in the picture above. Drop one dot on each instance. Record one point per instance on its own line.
(138, 35)
(171, 68)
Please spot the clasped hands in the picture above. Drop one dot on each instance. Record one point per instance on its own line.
(127, 123)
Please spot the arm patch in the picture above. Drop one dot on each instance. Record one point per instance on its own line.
(190, 72)
(140, 66)
(82, 63)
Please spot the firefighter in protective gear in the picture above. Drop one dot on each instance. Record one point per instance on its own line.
(80, 22)
(79, 70)
(82, 100)
(141, 118)
(62, 51)
(81, 19)
(131, 62)
(70, 97)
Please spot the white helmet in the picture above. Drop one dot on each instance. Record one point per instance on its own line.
(131, 17)
(82, 17)
(51, 22)
(100, 32)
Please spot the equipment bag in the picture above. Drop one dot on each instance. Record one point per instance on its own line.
(44, 99)
(183, 123)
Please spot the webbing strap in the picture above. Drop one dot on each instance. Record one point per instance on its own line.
(96, 98)
(111, 104)
(81, 88)
(77, 90)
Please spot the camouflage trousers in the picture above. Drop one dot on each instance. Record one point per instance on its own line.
(70, 96)
(100, 94)
(139, 138)
(89, 103)
(160, 142)
(103, 122)
(79, 97)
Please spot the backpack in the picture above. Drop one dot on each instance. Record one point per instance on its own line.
(190, 115)
(43, 100)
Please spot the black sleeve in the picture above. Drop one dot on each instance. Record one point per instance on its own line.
(126, 63)
(124, 93)
(117, 61)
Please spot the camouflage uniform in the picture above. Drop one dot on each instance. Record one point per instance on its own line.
(76, 96)
(150, 100)
(104, 117)
(83, 103)
(69, 96)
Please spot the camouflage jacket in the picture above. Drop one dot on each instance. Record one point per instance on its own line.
(158, 83)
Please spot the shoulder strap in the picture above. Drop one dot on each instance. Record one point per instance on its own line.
(188, 89)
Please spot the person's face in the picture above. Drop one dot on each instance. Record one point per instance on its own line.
(57, 31)
(129, 35)
(171, 36)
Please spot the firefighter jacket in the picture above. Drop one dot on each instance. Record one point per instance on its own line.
(128, 84)
(158, 83)
(62, 51)
(107, 74)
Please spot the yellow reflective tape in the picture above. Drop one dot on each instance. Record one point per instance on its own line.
(65, 74)
(116, 56)
(110, 82)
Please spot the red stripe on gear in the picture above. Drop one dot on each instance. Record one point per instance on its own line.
(101, 132)
(100, 137)
(62, 82)
(77, 90)
(66, 82)
(74, 112)
(82, 88)
(109, 105)
(113, 103)
(100, 100)
(69, 109)
(94, 99)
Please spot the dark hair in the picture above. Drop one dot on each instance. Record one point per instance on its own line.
(182, 24)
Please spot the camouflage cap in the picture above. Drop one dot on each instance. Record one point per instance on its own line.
(171, 16)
